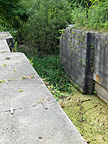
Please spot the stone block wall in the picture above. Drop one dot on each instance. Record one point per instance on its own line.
(84, 57)
(100, 75)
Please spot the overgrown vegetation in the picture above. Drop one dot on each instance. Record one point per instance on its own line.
(12, 14)
(46, 18)
(89, 115)
(93, 16)
(37, 22)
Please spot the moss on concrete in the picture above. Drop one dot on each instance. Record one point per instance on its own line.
(89, 115)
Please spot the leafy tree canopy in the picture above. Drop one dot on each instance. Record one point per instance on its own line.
(12, 11)
(46, 18)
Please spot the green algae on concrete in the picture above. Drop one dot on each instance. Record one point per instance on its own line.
(89, 115)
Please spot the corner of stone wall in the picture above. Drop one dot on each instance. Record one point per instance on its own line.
(89, 69)
(10, 43)
(84, 56)
(76, 57)
(100, 75)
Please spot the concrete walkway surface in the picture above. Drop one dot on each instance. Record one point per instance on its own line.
(29, 114)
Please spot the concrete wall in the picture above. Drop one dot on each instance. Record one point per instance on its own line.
(84, 56)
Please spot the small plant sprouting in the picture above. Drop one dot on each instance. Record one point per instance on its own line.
(37, 102)
(73, 32)
(82, 35)
(23, 77)
(94, 92)
(80, 60)
(69, 40)
(85, 47)
(2, 81)
(80, 40)
(61, 31)
(21, 90)
(91, 46)
(92, 69)
(64, 38)
(14, 70)
(4, 64)
(10, 79)
(83, 83)
(10, 44)
(70, 46)
(77, 85)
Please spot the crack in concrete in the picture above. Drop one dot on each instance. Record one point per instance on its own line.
(24, 77)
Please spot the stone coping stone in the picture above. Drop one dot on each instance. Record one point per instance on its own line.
(5, 39)
(5, 35)
(37, 117)
(15, 66)
(4, 46)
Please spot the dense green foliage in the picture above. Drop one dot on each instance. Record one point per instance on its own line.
(52, 73)
(94, 17)
(38, 22)
(12, 13)
(48, 67)
(46, 18)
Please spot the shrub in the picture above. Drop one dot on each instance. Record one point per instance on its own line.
(98, 15)
(79, 16)
(46, 18)
(95, 16)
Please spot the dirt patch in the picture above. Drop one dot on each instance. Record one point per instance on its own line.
(89, 115)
